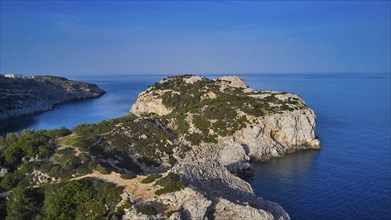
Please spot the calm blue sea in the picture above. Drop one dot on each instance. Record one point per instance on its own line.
(350, 178)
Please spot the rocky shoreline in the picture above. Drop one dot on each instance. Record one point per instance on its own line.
(211, 168)
(28, 95)
(177, 155)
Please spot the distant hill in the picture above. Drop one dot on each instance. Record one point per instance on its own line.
(27, 95)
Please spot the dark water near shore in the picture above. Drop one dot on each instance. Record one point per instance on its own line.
(350, 178)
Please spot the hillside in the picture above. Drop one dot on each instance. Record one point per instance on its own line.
(27, 95)
(177, 155)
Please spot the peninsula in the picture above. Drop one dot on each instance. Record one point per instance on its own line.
(21, 96)
(178, 154)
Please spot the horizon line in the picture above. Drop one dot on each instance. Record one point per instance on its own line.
(198, 73)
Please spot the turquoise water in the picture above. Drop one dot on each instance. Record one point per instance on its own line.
(350, 178)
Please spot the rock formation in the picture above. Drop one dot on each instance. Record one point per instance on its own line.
(179, 153)
(227, 124)
(27, 95)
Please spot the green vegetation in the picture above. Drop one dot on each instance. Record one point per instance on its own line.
(220, 114)
(86, 198)
(81, 142)
(102, 170)
(145, 137)
(150, 178)
(29, 145)
(170, 183)
(23, 204)
(111, 146)
(67, 160)
(19, 154)
(121, 209)
(128, 176)
(81, 199)
(147, 209)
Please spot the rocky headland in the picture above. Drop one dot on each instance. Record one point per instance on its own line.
(27, 95)
(178, 154)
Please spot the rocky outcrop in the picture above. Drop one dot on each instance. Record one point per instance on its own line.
(285, 125)
(227, 124)
(150, 103)
(27, 95)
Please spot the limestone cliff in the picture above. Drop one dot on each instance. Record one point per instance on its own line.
(27, 95)
(225, 111)
(177, 156)
(227, 124)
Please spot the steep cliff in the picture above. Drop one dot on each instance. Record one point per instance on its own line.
(227, 112)
(227, 124)
(177, 155)
(27, 95)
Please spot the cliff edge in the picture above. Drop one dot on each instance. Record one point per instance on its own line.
(178, 155)
(227, 124)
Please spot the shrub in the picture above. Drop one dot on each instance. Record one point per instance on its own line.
(3, 206)
(147, 209)
(151, 178)
(21, 204)
(89, 198)
(127, 176)
(170, 183)
(68, 162)
(10, 180)
(102, 170)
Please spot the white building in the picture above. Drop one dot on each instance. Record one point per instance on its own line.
(10, 75)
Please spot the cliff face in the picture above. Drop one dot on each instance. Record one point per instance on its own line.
(227, 124)
(176, 156)
(27, 95)
(226, 112)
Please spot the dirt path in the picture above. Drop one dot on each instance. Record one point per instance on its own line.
(134, 187)
(61, 146)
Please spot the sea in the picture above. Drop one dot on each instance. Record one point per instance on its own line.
(349, 178)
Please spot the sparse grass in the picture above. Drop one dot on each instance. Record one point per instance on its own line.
(82, 142)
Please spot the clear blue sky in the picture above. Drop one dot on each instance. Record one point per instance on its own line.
(99, 37)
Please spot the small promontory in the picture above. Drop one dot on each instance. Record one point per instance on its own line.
(177, 155)
(27, 95)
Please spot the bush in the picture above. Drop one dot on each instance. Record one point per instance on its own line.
(147, 209)
(68, 162)
(88, 198)
(127, 176)
(10, 180)
(102, 170)
(3, 206)
(22, 204)
(28, 145)
(151, 178)
(170, 183)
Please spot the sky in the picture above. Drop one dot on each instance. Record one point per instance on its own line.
(180, 37)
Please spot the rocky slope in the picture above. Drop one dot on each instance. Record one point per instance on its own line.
(227, 124)
(177, 155)
(27, 95)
